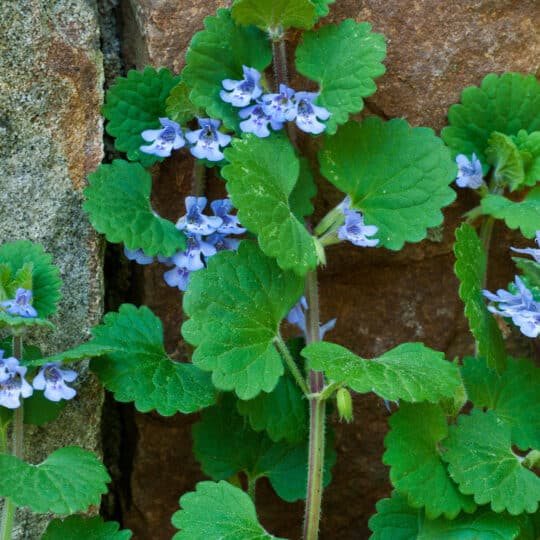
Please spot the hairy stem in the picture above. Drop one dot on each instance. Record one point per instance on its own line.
(291, 364)
(198, 180)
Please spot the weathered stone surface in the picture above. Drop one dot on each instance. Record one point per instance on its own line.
(381, 298)
(50, 95)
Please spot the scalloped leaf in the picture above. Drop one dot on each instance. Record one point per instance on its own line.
(504, 155)
(529, 148)
(270, 15)
(179, 106)
(69, 480)
(321, 7)
(136, 103)
(80, 528)
(217, 53)
(140, 371)
(218, 511)
(304, 190)
(261, 177)
(480, 459)
(524, 215)
(90, 349)
(46, 282)
(118, 204)
(470, 269)
(409, 372)
(513, 396)
(395, 520)
(396, 175)
(505, 103)
(235, 306)
(417, 469)
(344, 60)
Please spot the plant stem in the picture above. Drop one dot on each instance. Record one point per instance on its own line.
(198, 179)
(17, 437)
(291, 364)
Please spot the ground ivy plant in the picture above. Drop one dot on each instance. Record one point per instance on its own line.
(463, 443)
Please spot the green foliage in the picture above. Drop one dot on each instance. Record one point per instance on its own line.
(218, 511)
(506, 159)
(303, 191)
(80, 528)
(344, 60)
(139, 369)
(395, 520)
(69, 480)
(409, 372)
(89, 349)
(470, 269)
(225, 445)
(513, 396)
(271, 15)
(217, 53)
(118, 204)
(524, 215)
(529, 149)
(39, 411)
(261, 177)
(179, 106)
(396, 175)
(282, 413)
(480, 459)
(18, 259)
(321, 7)
(135, 103)
(530, 269)
(235, 307)
(505, 103)
(417, 470)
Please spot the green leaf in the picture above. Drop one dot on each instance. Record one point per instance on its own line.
(417, 469)
(410, 372)
(89, 349)
(529, 148)
(321, 7)
(69, 480)
(396, 175)
(505, 103)
(235, 307)
(179, 106)
(136, 103)
(270, 15)
(395, 520)
(470, 268)
(282, 413)
(261, 177)
(118, 204)
(506, 159)
(46, 282)
(218, 53)
(524, 215)
(480, 459)
(530, 269)
(513, 396)
(140, 371)
(39, 411)
(344, 60)
(80, 528)
(304, 190)
(218, 511)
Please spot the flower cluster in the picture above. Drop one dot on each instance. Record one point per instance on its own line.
(50, 378)
(203, 143)
(20, 305)
(354, 229)
(272, 109)
(469, 172)
(205, 236)
(520, 307)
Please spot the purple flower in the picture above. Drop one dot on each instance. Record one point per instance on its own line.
(138, 256)
(163, 140)
(208, 140)
(53, 380)
(7, 366)
(222, 242)
(307, 113)
(242, 92)
(469, 172)
(20, 306)
(258, 121)
(531, 251)
(14, 385)
(177, 277)
(194, 222)
(297, 317)
(354, 230)
(280, 107)
(190, 259)
(230, 224)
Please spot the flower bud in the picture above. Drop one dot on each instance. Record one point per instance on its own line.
(344, 405)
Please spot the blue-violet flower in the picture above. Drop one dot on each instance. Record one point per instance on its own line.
(194, 222)
(138, 256)
(177, 277)
(191, 257)
(257, 121)
(307, 113)
(163, 140)
(531, 251)
(21, 304)
(14, 385)
(242, 92)
(222, 242)
(208, 140)
(297, 317)
(280, 107)
(356, 231)
(469, 172)
(53, 380)
(230, 224)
